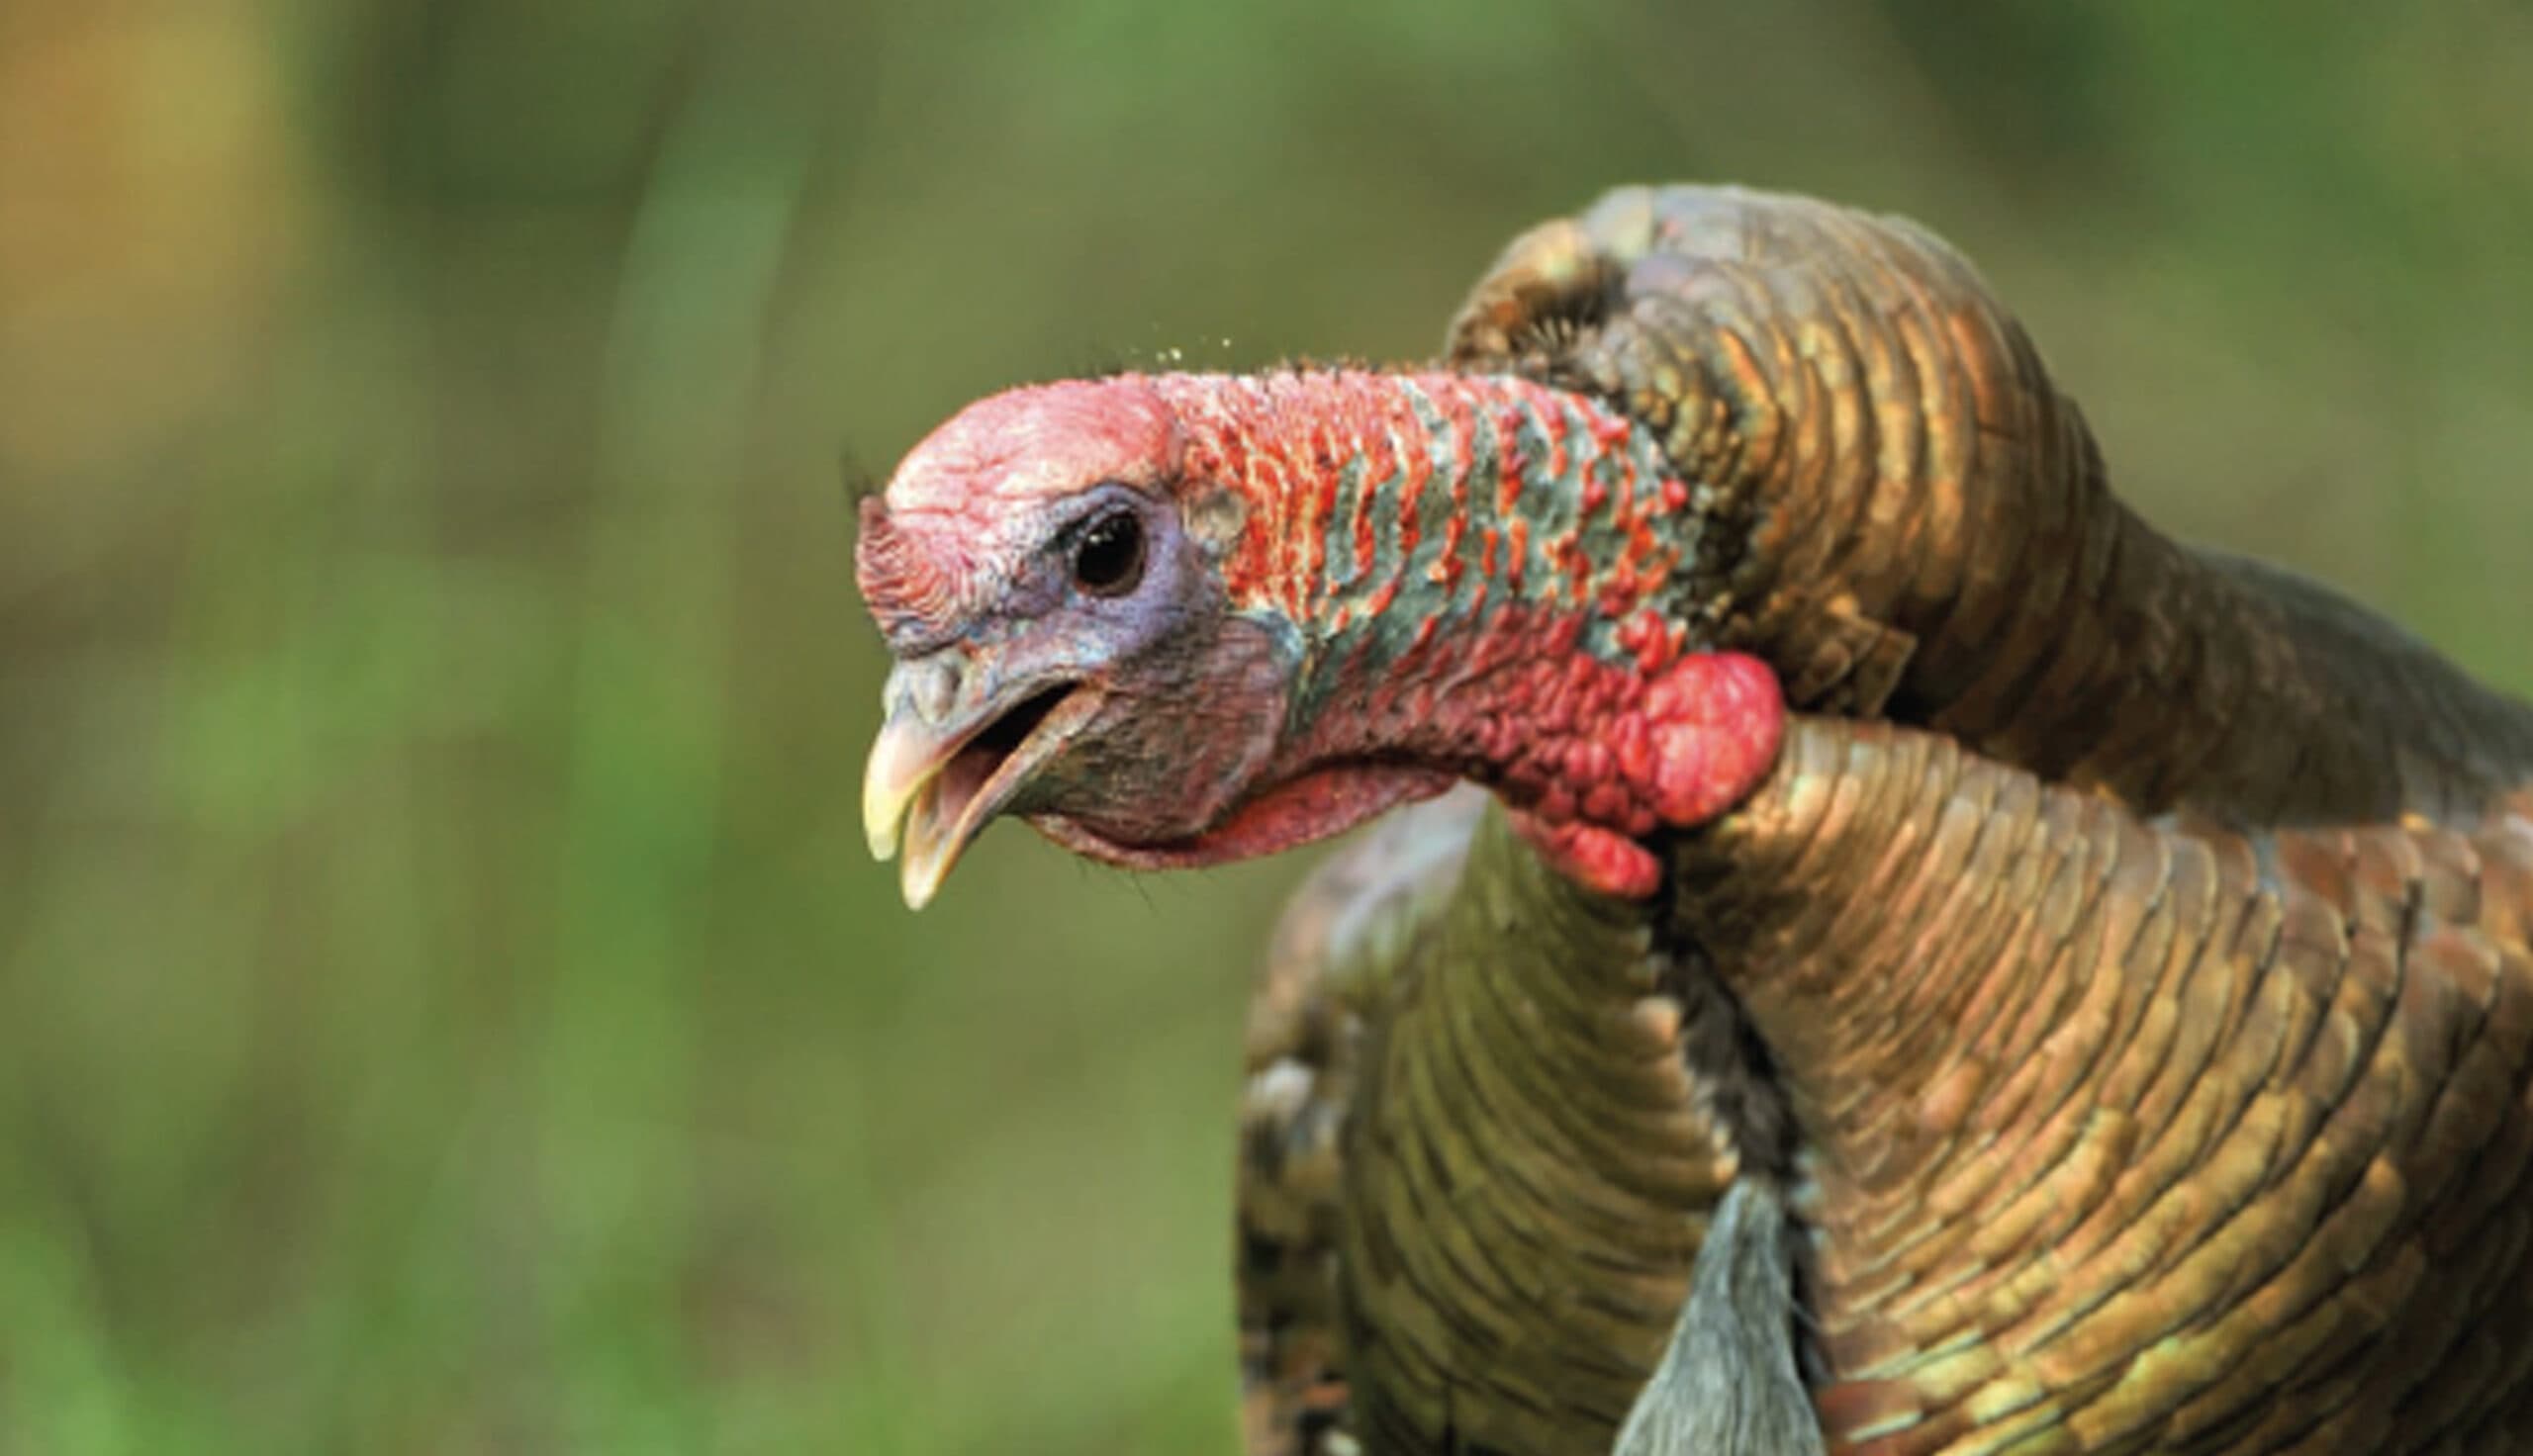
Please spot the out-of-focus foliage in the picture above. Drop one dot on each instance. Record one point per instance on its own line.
(445, 1003)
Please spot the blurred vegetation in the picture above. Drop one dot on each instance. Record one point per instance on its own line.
(444, 1002)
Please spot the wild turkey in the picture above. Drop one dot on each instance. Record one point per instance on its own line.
(2088, 975)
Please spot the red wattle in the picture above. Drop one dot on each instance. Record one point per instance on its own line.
(1594, 858)
(1674, 750)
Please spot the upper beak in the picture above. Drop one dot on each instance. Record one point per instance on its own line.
(956, 747)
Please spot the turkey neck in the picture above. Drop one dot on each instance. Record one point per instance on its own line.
(1451, 554)
(1480, 578)
(2123, 1129)
(1531, 1160)
(1907, 520)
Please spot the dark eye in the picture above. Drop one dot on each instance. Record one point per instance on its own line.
(1108, 556)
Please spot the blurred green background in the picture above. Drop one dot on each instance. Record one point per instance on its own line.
(445, 1005)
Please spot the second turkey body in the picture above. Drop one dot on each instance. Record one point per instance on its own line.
(2085, 979)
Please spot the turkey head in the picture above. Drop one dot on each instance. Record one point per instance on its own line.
(1187, 620)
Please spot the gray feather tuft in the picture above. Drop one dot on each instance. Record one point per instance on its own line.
(1728, 1386)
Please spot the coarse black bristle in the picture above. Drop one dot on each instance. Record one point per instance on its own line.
(1309, 364)
(861, 481)
(1106, 362)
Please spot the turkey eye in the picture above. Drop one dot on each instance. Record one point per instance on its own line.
(1108, 558)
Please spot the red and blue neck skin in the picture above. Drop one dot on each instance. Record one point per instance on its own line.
(1479, 577)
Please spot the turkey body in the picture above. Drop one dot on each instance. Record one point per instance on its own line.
(1485, 1119)
(2125, 968)
(2131, 1138)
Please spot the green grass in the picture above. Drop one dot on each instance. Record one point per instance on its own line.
(444, 1002)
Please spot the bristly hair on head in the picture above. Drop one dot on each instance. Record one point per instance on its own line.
(1313, 364)
(1106, 361)
(861, 481)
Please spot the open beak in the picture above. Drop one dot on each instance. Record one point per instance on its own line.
(941, 768)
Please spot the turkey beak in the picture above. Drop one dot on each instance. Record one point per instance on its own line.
(956, 747)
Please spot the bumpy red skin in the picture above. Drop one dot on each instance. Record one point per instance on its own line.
(1594, 750)
(1606, 757)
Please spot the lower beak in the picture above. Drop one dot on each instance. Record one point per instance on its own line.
(932, 787)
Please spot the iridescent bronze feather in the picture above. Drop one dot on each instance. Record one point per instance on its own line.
(1928, 538)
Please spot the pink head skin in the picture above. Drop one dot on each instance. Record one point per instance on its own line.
(1183, 620)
